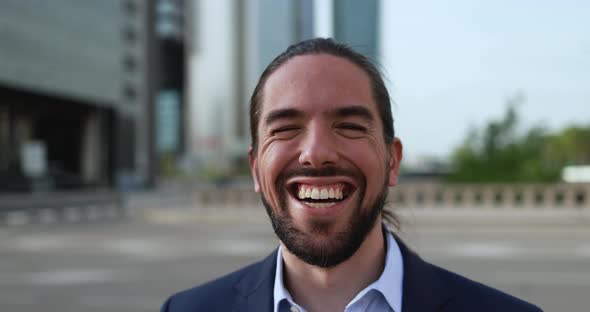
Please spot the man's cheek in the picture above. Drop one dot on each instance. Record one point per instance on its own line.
(268, 188)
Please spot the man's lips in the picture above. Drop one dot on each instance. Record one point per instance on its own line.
(320, 192)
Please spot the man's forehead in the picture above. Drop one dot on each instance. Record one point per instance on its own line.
(305, 67)
(317, 82)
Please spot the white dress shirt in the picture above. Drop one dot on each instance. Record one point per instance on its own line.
(385, 294)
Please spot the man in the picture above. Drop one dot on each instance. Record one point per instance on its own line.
(323, 155)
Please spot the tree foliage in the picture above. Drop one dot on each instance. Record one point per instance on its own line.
(499, 153)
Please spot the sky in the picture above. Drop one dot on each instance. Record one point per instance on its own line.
(452, 65)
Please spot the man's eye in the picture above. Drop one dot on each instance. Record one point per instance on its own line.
(284, 130)
(355, 127)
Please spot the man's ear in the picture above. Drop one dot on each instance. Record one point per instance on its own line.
(253, 168)
(395, 158)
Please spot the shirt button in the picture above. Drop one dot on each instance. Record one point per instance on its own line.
(294, 309)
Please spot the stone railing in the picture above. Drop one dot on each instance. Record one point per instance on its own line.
(435, 195)
(72, 206)
(428, 197)
(474, 196)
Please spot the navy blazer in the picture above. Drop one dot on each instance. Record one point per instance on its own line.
(426, 288)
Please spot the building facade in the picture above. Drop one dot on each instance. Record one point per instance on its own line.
(75, 95)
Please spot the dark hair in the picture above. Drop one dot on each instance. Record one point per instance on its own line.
(331, 47)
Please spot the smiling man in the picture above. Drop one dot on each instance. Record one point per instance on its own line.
(323, 156)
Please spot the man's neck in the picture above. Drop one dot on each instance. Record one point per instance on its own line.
(331, 289)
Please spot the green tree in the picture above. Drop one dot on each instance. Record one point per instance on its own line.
(571, 146)
(497, 153)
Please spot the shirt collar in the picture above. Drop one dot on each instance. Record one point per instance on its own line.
(389, 283)
(280, 292)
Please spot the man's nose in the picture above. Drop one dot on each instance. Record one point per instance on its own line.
(318, 149)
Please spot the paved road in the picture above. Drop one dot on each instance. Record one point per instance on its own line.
(133, 265)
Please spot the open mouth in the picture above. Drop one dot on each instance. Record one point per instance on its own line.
(321, 196)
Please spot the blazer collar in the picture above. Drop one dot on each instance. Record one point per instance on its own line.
(256, 287)
(423, 290)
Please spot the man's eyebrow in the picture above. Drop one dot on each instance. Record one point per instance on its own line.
(281, 114)
(352, 111)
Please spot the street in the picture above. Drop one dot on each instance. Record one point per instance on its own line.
(133, 265)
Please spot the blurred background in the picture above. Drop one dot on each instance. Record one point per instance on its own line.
(124, 135)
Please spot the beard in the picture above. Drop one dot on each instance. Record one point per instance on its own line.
(321, 247)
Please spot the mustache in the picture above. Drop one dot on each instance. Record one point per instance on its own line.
(320, 172)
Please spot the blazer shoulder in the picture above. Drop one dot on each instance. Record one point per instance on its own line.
(217, 295)
(469, 292)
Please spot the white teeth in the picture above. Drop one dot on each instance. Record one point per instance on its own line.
(315, 193)
(324, 194)
(319, 193)
(320, 205)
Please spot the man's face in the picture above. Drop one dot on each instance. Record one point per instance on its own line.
(322, 164)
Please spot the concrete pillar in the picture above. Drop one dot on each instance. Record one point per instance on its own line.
(91, 150)
(508, 200)
(569, 198)
(5, 135)
(23, 130)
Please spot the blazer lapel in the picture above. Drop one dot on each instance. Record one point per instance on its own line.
(256, 287)
(423, 291)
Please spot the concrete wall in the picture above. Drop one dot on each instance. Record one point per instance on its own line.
(442, 196)
(69, 47)
(481, 196)
(94, 53)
